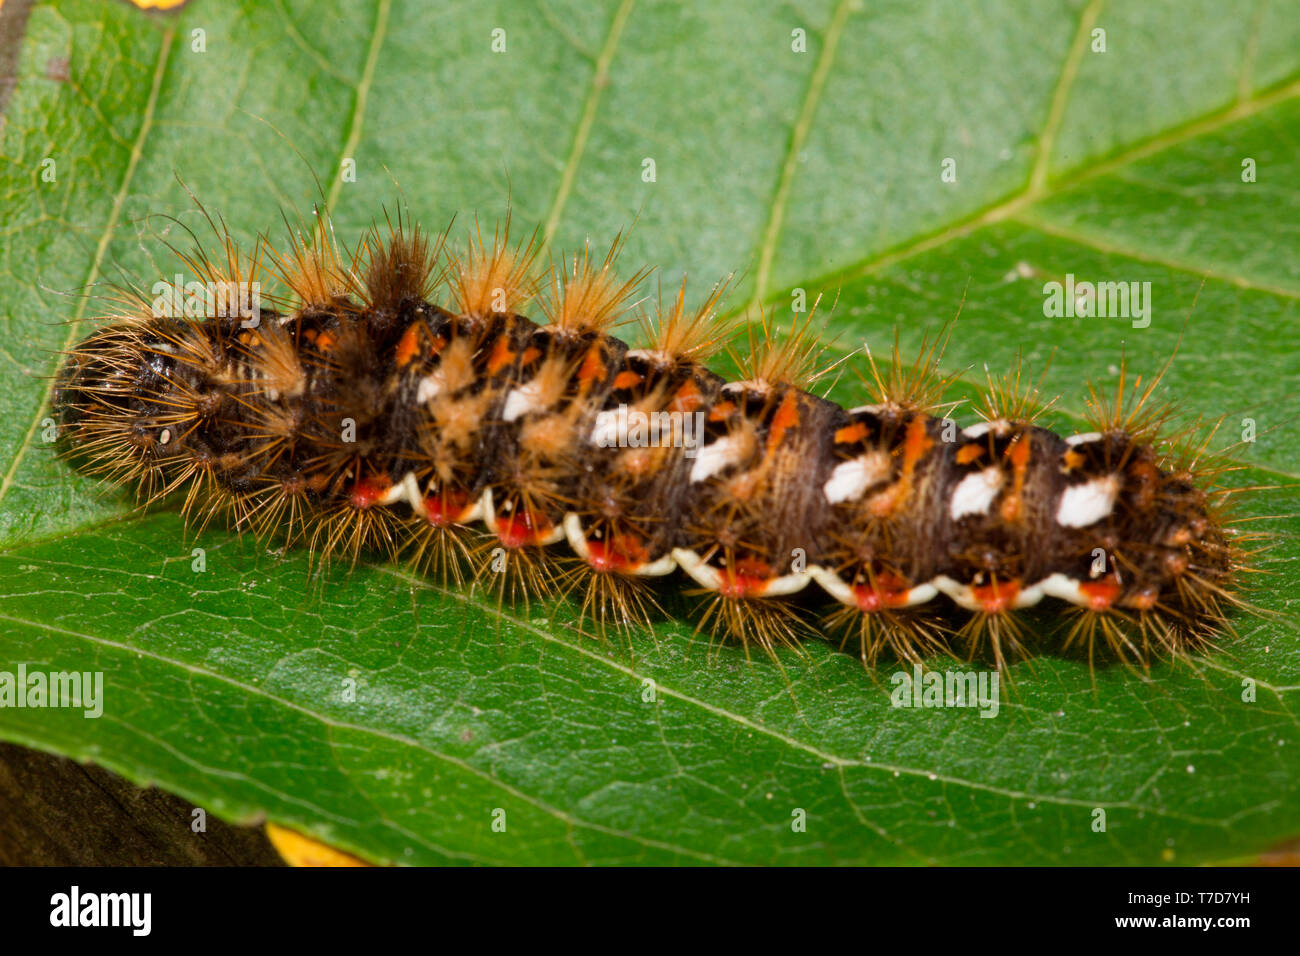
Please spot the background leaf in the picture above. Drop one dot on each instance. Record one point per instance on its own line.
(816, 170)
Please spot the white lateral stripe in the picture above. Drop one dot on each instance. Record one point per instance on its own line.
(658, 567)
(486, 511)
(959, 593)
(787, 584)
(413, 496)
(833, 584)
(920, 593)
(394, 494)
(1028, 597)
(1059, 586)
(707, 576)
(1083, 439)
(691, 563)
(1055, 585)
(577, 540)
(577, 537)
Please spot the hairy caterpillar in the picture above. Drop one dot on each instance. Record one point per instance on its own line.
(355, 413)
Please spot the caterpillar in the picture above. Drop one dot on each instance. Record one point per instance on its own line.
(353, 413)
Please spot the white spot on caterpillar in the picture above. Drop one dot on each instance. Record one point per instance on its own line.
(430, 387)
(851, 478)
(999, 426)
(975, 493)
(833, 585)
(657, 357)
(1085, 439)
(521, 400)
(1081, 505)
(610, 430)
(713, 458)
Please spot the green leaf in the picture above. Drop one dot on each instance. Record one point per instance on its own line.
(818, 171)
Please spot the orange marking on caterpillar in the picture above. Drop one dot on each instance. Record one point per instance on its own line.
(721, 411)
(1101, 594)
(625, 380)
(915, 445)
(786, 417)
(1072, 460)
(622, 552)
(593, 367)
(970, 453)
(851, 434)
(446, 506)
(996, 597)
(408, 346)
(887, 591)
(749, 578)
(1019, 453)
(531, 355)
(687, 398)
(502, 355)
(369, 491)
(326, 341)
(522, 528)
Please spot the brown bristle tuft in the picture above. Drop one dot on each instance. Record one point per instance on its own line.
(609, 600)
(582, 296)
(233, 278)
(439, 551)
(315, 269)
(1014, 397)
(999, 637)
(908, 636)
(769, 624)
(914, 387)
(495, 280)
(790, 359)
(405, 266)
(1132, 410)
(676, 334)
